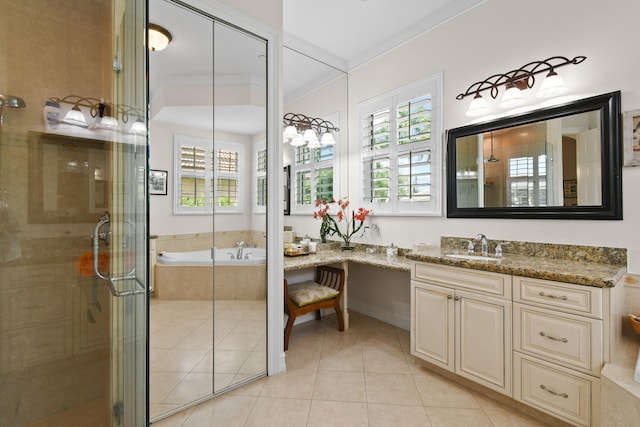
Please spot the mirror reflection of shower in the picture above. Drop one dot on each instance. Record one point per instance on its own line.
(492, 157)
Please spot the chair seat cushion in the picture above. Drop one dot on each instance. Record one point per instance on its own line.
(310, 292)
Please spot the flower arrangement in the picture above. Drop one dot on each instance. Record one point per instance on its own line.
(330, 226)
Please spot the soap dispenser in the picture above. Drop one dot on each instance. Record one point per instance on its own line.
(392, 250)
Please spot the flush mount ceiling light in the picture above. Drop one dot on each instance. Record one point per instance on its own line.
(159, 37)
(300, 130)
(515, 81)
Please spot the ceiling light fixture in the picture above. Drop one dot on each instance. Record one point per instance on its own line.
(300, 130)
(159, 37)
(518, 80)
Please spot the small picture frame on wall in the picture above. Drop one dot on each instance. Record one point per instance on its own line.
(287, 190)
(632, 138)
(157, 182)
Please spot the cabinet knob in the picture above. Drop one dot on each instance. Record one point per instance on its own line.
(449, 297)
(456, 298)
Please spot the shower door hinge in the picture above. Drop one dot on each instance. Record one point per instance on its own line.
(118, 411)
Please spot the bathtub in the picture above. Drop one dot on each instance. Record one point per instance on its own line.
(223, 256)
(194, 276)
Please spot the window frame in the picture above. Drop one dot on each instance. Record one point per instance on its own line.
(210, 175)
(257, 149)
(390, 102)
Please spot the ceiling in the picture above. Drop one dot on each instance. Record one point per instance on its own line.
(348, 33)
(322, 40)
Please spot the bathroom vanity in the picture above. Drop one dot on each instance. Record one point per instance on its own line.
(537, 329)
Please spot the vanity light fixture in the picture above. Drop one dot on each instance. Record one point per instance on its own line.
(97, 109)
(300, 130)
(515, 81)
(159, 37)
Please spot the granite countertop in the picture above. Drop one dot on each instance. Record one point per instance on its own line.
(399, 263)
(587, 273)
(578, 272)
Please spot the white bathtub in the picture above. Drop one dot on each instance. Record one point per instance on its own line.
(223, 256)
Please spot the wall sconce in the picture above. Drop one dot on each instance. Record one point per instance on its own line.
(515, 81)
(159, 37)
(300, 130)
(10, 101)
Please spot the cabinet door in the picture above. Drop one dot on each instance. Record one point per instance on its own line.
(432, 324)
(483, 338)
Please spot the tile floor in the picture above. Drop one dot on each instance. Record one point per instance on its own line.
(360, 377)
(181, 357)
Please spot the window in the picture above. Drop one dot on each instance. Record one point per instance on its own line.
(314, 173)
(400, 150)
(527, 181)
(260, 191)
(207, 178)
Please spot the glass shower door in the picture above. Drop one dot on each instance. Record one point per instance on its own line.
(73, 331)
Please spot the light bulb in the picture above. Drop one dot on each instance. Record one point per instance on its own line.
(477, 107)
(551, 86)
(327, 139)
(512, 97)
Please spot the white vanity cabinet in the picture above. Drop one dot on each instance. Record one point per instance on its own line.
(558, 348)
(461, 321)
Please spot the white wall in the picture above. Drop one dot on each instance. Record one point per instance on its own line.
(499, 36)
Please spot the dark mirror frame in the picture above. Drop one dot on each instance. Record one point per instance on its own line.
(611, 154)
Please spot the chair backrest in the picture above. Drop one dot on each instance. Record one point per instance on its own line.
(330, 276)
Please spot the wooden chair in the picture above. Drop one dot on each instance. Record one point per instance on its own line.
(303, 298)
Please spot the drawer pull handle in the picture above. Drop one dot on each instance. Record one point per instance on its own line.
(555, 393)
(542, 334)
(562, 297)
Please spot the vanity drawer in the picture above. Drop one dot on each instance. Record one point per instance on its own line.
(583, 300)
(556, 390)
(573, 341)
(495, 284)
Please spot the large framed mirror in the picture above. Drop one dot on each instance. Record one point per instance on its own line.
(562, 162)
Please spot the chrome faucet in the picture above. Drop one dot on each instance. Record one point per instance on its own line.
(240, 246)
(484, 244)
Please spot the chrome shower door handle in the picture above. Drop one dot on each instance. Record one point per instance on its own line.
(140, 287)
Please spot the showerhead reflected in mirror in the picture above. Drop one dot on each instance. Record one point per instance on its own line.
(10, 101)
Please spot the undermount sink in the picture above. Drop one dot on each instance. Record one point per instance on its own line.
(472, 257)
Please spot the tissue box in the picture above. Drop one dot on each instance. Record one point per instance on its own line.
(289, 236)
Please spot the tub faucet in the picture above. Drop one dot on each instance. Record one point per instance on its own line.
(240, 246)
(484, 244)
